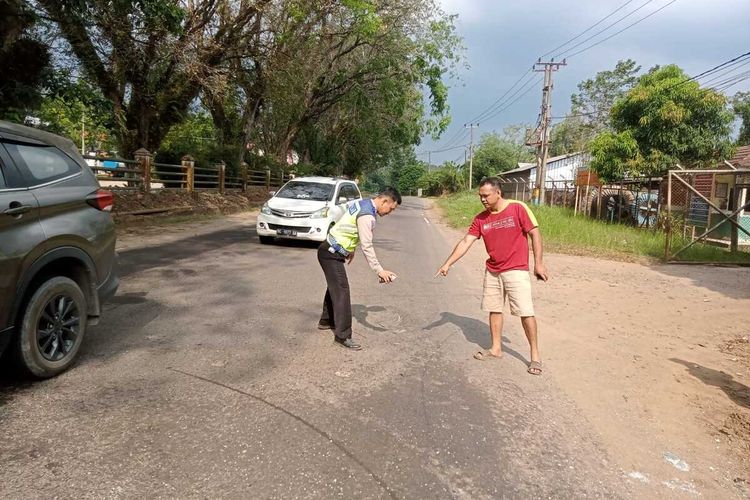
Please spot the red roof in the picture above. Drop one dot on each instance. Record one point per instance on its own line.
(741, 158)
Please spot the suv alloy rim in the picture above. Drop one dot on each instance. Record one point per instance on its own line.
(57, 328)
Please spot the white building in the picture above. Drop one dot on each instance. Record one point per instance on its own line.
(559, 168)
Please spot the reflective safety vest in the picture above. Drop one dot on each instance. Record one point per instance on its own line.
(344, 233)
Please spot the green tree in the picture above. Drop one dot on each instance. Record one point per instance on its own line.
(72, 106)
(23, 59)
(741, 107)
(671, 119)
(449, 178)
(152, 58)
(409, 175)
(345, 82)
(590, 107)
(497, 153)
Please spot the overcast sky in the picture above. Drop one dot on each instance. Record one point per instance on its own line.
(503, 39)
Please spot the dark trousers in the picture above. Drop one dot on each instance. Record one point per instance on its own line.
(337, 304)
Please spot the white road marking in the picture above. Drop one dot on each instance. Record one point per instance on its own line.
(425, 219)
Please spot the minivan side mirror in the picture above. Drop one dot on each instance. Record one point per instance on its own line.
(342, 199)
(271, 193)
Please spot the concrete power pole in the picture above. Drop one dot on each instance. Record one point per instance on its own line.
(544, 135)
(471, 127)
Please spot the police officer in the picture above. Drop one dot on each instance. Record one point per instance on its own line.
(353, 228)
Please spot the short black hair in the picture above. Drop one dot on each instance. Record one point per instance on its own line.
(392, 193)
(492, 181)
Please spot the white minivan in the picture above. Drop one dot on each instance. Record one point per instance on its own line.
(304, 208)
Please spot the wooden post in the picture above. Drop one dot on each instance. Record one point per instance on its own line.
(668, 220)
(599, 202)
(268, 179)
(188, 165)
(565, 195)
(575, 205)
(145, 159)
(552, 200)
(222, 168)
(515, 195)
(244, 168)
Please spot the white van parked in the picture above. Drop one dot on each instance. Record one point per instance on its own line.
(304, 208)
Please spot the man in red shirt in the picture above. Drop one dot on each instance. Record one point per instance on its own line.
(504, 227)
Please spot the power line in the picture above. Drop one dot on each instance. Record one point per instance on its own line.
(588, 29)
(624, 29)
(529, 89)
(709, 71)
(606, 27)
(489, 108)
(441, 150)
(732, 81)
(724, 72)
(460, 137)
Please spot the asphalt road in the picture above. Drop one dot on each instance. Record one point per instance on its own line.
(207, 378)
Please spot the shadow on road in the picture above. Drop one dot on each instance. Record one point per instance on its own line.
(140, 259)
(730, 281)
(360, 313)
(475, 331)
(737, 392)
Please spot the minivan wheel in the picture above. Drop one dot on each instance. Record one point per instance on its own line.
(266, 240)
(54, 323)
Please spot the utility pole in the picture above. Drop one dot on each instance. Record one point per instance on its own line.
(544, 133)
(83, 133)
(471, 127)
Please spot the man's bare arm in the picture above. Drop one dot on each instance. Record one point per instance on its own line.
(458, 251)
(536, 246)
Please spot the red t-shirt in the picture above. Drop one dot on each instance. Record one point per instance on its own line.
(504, 236)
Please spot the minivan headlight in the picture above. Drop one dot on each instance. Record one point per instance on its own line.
(265, 209)
(320, 214)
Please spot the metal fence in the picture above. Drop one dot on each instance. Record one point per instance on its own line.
(143, 174)
(706, 206)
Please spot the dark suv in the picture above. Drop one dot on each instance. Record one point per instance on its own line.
(57, 249)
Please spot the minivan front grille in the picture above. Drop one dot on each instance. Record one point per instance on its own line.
(290, 214)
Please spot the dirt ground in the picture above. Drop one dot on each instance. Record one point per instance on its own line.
(135, 208)
(657, 359)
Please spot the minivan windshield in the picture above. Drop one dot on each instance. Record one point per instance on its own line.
(313, 191)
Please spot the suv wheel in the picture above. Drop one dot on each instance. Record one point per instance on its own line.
(54, 323)
(266, 240)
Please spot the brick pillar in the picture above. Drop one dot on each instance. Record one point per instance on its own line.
(188, 168)
(145, 160)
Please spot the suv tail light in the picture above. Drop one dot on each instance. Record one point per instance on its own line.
(101, 199)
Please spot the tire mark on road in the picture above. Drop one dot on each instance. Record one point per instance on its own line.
(301, 420)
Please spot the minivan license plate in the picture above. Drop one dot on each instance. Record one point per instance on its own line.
(286, 232)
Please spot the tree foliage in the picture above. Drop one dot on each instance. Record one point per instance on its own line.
(741, 107)
(590, 107)
(499, 153)
(24, 60)
(670, 119)
(151, 58)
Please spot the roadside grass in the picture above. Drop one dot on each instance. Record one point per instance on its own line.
(564, 233)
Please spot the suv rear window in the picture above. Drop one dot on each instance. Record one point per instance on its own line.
(43, 163)
(314, 191)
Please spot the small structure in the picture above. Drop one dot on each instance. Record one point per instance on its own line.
(559, 168)
(727, 191)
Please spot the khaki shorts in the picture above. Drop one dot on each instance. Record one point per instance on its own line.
(515, 285)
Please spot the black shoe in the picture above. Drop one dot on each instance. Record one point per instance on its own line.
(348, 343)
(325, 326)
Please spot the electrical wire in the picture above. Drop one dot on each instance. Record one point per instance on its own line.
(568, 56)
(618, 9)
